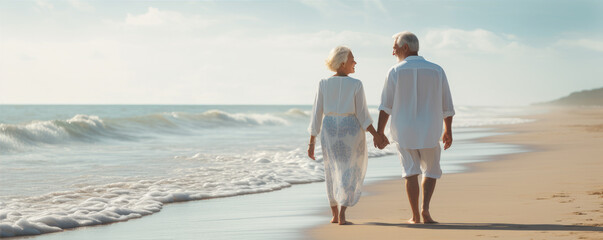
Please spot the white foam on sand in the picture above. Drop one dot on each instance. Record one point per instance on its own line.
(212, 177)
(120, 201)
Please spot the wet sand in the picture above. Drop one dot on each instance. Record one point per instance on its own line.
(554, 191)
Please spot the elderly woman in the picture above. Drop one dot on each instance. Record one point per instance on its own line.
(341, 100)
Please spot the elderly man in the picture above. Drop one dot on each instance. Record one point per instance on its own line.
(417, 96)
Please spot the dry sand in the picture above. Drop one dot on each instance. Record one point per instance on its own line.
(555, 191)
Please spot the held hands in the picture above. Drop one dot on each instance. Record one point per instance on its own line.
(380, 140)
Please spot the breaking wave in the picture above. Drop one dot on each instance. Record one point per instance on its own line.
(90, 128)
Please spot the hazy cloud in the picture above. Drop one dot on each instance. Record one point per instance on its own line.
(156, 17)
(44, 4)
(328, 8)
(585, 43)
(81, 5)
(478, 40)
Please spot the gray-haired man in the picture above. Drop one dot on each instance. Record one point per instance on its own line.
(417, 96)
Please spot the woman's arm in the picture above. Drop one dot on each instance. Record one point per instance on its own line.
(317, 112)
(362, 111)
(311, 147)
(315, 121)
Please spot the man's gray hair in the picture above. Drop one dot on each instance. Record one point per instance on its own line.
(409, 38)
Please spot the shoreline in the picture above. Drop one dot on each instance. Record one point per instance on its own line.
(236, 217)
(207, 217)
(508, 196)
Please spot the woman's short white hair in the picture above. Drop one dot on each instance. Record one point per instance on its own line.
(337, 57)
(409, 38)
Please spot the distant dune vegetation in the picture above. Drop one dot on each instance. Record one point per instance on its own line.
(593, 97)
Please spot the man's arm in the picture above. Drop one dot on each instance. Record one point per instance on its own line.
(447, 136)
(387, 102)
(383, 117)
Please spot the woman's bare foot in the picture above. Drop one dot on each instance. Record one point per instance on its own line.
(335, 213)
(342, 220)
(427, 217)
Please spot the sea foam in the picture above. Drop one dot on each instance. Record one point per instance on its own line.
(222, 176)
(214, 176)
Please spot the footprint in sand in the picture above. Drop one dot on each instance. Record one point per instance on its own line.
(596, 193)
(563, 195)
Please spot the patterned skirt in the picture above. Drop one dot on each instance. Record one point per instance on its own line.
(345, 157)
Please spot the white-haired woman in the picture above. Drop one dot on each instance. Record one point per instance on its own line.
(340, 106)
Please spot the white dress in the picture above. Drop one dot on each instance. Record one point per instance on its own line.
(340, 106)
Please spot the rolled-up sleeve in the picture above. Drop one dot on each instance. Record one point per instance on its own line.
(317, 111)
(447, 106)
(362, 111)
(387, 96)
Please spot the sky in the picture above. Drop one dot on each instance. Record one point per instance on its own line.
(494, 53)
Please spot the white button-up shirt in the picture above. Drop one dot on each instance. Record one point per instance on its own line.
(417, 96)
(339, 96)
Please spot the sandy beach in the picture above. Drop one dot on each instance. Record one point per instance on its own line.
(554, 191)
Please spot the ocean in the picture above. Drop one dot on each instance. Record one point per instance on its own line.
(67, 166)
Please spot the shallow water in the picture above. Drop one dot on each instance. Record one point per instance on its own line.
(68, 166)
(283, 214)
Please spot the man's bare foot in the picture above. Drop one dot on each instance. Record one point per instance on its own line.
(335, 219)
(414, 220)
(427, 217)
(342, 220)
